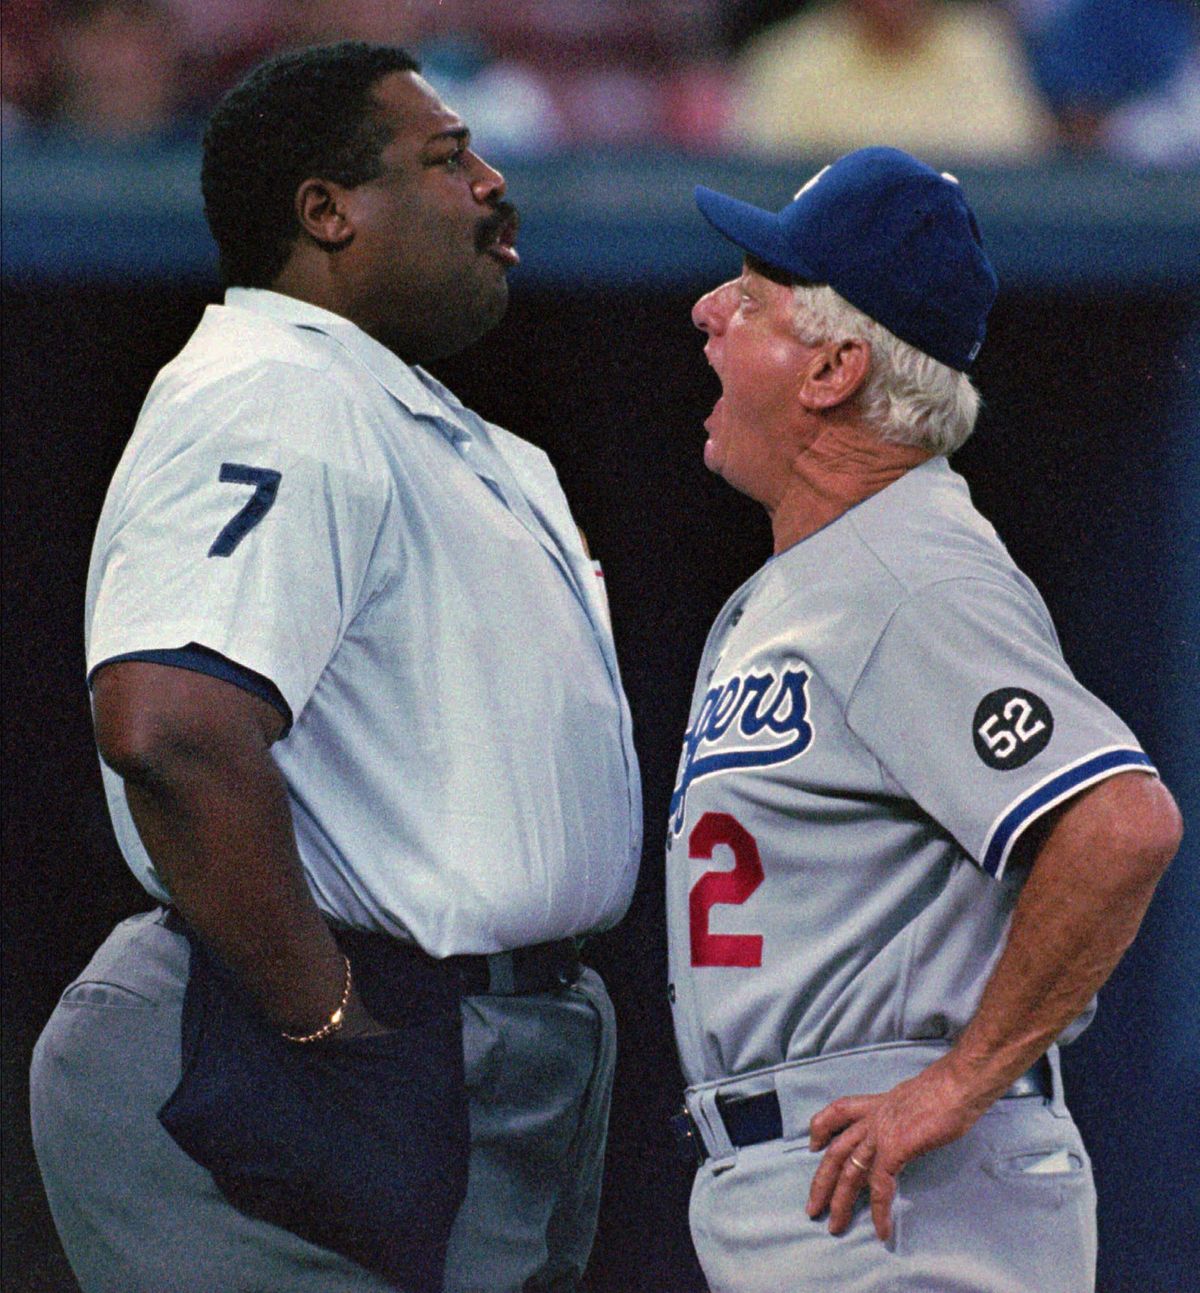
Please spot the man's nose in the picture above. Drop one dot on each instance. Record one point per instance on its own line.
(487, 184)
(709, 312)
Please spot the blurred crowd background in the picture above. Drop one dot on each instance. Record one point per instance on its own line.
(980, 80)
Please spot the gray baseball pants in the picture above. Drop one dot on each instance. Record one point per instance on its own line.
(1008, 1208)
(137, 1215)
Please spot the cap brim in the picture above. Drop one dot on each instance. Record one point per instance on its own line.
(755, 231)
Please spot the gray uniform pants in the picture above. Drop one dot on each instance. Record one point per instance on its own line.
(1008, 1208)
(137, 1215)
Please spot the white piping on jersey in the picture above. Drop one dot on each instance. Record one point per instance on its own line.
(1051, 791)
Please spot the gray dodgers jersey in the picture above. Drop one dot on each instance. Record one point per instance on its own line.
(880, 711)
(460, 766)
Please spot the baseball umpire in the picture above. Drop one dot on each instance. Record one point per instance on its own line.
(906, 846)
(364, 739)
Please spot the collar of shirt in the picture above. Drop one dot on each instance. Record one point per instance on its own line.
(423, 396)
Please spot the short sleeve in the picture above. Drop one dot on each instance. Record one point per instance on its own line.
(234, 530)
(970, 709)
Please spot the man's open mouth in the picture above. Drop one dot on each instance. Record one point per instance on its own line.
(498, 236)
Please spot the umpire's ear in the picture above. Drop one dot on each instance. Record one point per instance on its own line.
(322, 213)
(834, 374)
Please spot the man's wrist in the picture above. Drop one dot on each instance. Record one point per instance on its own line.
(335, 1021)
(980, 1079)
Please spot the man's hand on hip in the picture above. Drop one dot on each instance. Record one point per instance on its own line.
(870, 1138)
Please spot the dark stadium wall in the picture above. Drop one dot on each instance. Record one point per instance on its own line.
(1074, 463)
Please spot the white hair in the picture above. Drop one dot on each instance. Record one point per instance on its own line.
(907, 397)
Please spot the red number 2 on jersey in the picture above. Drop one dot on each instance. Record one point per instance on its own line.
(724, 888)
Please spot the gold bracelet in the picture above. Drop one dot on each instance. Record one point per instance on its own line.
(335, 1020)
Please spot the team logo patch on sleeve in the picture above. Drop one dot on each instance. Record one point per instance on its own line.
(1011, 726)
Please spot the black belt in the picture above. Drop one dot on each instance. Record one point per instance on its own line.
(544, 967)
(754, 1119)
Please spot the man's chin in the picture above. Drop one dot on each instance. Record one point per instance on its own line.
(459, 332)
(485, 314)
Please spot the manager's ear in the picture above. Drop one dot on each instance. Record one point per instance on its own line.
(835, 373)
(324, 215)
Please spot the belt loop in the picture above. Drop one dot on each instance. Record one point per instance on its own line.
(1058, 1102)
(502, 979)
(702, 1105)
(790, 1113)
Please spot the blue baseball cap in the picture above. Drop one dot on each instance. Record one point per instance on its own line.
(891, 235)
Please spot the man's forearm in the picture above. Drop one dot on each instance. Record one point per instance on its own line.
(1081, 907)
(212, 811)
(1079, 910)
(220, 834)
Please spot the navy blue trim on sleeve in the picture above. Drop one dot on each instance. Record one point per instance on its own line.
(201, 659)
(1051, 792)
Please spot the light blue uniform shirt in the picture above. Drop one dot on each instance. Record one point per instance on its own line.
(296, 498)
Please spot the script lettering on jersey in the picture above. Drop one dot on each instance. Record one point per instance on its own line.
(729, 729)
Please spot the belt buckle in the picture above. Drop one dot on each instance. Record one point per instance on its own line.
(687, 1138)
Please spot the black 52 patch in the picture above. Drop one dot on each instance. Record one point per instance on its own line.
(1011, 726)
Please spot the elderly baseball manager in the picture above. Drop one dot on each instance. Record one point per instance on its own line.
(906, 846)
